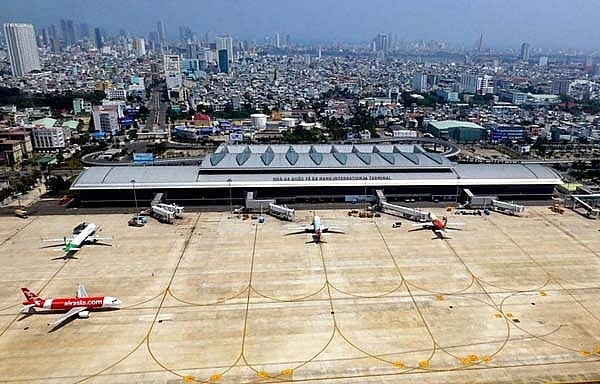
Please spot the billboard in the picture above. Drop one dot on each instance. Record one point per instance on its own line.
(125, 121)
(132, 112)
(143, 158)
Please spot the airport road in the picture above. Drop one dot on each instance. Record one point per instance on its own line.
(219, 299)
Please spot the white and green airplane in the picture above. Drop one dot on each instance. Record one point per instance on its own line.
(85, 235)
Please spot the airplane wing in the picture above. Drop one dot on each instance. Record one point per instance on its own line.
(62, 240)
(62, 318)
(81, 291)
(452, 226)
(420, 227)
(96, 238)
(333, 230)
(299, 230)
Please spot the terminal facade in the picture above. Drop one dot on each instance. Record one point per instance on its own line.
(314, 173)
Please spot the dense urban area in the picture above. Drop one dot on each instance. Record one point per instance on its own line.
(118, 95)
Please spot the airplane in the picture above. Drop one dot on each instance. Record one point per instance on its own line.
(79, 306)
(437, 225)
(84, 233)
(317, 228)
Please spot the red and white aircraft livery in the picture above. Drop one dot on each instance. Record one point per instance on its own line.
(75, 306)
(437, 225)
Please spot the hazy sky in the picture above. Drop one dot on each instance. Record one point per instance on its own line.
(504, 23)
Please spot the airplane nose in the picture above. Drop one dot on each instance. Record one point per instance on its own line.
(116, 302)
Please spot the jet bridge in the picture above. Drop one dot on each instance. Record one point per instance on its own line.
(282, 211)
(579, 201)
(414, 214)
(506, 207)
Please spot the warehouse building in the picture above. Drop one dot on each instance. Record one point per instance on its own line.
(459, 131)
(313, 173)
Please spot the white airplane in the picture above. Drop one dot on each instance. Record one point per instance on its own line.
(317, 228)
(437, 225)
(79, 306)
(84, 233)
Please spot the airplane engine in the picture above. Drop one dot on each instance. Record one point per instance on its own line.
(84, 314)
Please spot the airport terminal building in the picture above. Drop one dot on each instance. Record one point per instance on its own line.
(313, 173)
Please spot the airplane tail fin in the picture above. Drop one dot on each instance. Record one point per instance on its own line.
(31, 297)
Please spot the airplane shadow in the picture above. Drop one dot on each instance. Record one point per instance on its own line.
(57, 312)
(102, 244)
(69, 256)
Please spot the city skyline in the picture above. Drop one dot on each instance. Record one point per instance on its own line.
(504, 24)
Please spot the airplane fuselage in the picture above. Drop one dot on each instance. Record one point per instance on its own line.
(317, 229)
(88, 231)
(437, 223)
(67, 303)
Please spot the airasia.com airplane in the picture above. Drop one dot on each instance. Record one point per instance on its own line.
(437, 225)
(317, 228)
(80, 306)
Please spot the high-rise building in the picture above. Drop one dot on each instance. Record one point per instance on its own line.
(22, 49)
(525, 51)
(98, 38)
(192, 51)
(52, 32)
(479, 84)
(223, 61)
(561, 87)
(419, 82)
(382, 43)
(162, 31)
(45, 37)
(139, 46)
(277, 40)
(68, 31)
(225, 42)
(106, 118)
(153, 40)
(172, 63)
(543, 61)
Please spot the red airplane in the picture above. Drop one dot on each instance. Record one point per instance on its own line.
(79, 306)
(437, 225)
